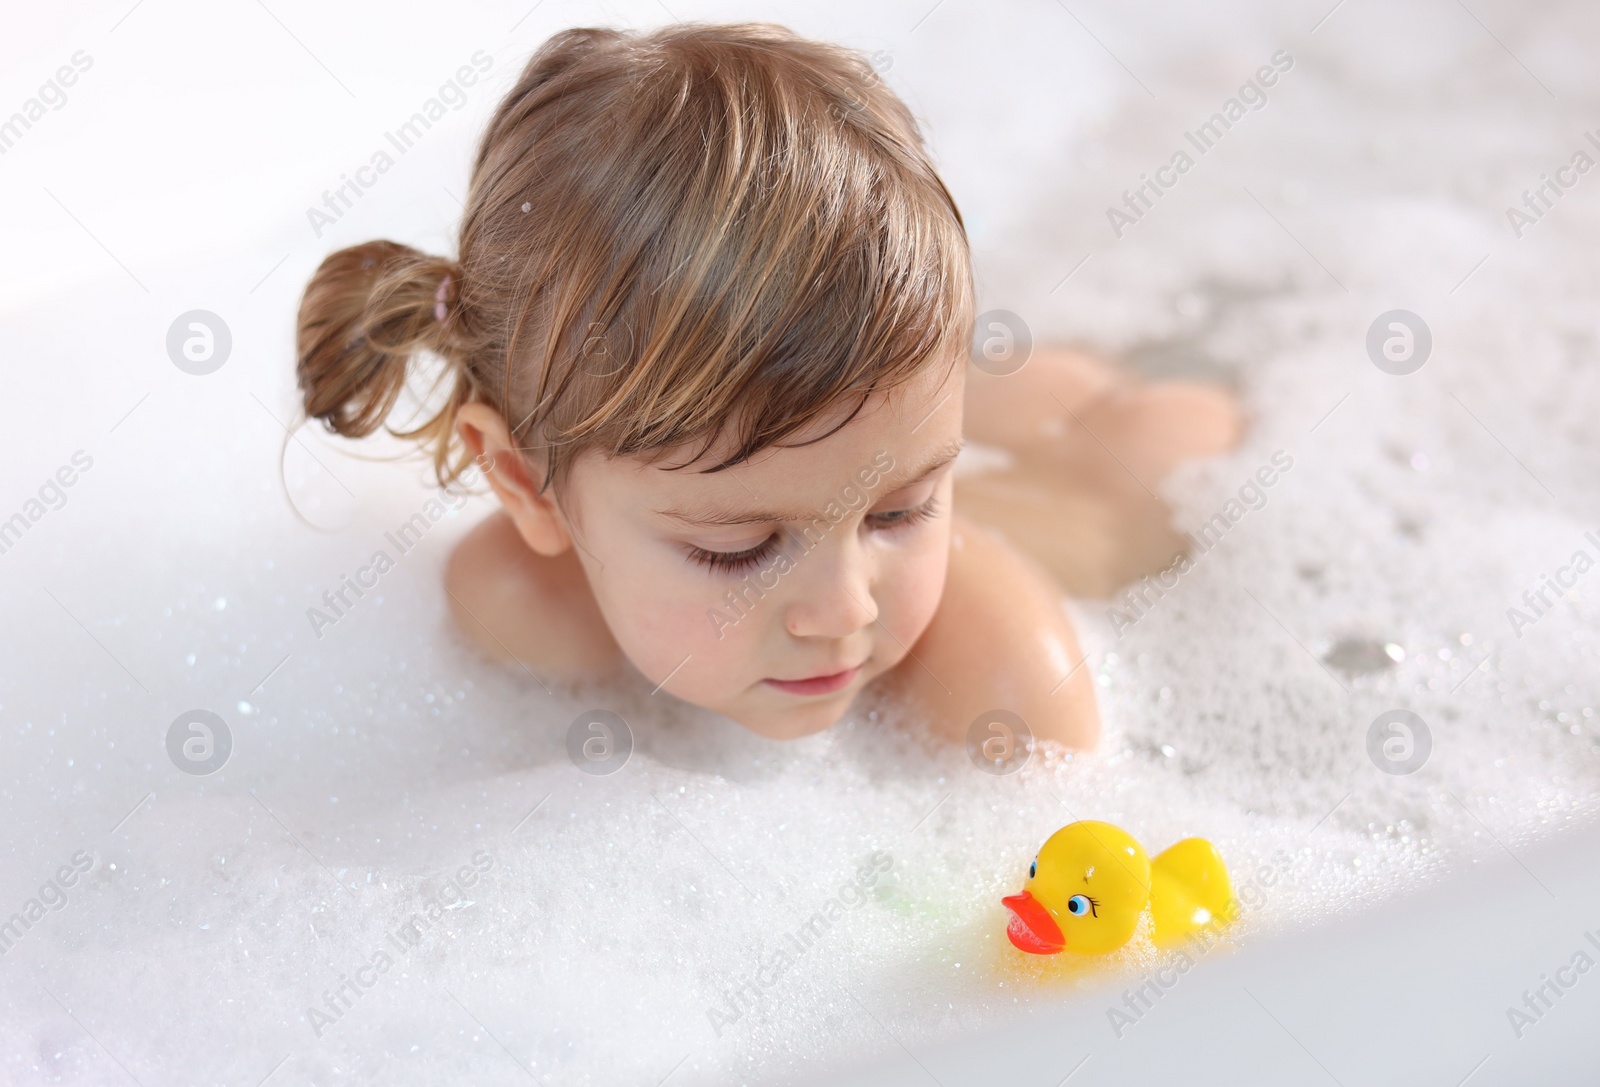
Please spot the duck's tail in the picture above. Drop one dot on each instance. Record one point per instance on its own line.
(1189, 890)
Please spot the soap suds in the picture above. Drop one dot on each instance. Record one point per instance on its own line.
(626, 928)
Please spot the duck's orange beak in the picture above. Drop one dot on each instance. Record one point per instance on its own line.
(1032, 929)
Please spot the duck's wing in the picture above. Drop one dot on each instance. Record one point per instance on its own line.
(1189, 890)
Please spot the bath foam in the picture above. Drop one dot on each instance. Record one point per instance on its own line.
(620, 912)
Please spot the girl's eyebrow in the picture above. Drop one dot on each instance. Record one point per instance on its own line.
(726, 515)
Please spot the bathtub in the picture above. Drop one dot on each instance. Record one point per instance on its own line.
(1490, 977)
(390, 869)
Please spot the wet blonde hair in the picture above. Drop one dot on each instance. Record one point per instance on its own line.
(699, 233)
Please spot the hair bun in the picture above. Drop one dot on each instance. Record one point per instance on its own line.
(366, 312)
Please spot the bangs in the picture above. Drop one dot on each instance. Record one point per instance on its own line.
(756, 242)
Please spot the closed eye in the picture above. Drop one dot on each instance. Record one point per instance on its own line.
(731, 562)
(892, 519)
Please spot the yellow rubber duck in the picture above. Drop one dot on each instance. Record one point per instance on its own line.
(1091, 881)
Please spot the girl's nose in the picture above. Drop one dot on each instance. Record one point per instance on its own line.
(833, 599)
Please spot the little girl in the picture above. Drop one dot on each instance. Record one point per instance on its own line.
(709, 334)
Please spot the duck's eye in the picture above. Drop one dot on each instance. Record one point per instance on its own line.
(1033, 869)
(1078, 905)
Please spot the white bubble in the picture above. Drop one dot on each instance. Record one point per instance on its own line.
(632, 887)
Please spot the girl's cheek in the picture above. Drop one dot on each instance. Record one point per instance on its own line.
(645, 605)
(912, 592)
(676, 612)
(714, 645)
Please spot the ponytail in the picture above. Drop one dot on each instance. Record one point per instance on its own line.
(366, 312)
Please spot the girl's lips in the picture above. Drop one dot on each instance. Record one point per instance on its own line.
(816, 684)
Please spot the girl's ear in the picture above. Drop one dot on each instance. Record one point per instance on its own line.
(538, 520)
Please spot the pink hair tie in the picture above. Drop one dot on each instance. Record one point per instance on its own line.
(438, 299)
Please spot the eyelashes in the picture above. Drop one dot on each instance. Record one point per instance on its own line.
(902, 518)
(730, 562)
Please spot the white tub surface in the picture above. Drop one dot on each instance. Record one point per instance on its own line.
(1435, 988)
(604, 921)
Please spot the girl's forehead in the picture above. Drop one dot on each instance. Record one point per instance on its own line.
(897, 436)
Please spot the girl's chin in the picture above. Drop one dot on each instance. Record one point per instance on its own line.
(799, 721)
